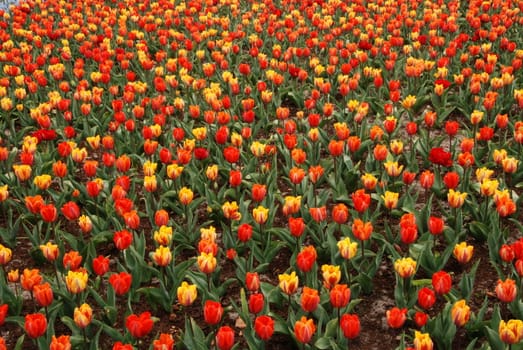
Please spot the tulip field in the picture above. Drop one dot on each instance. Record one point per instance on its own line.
(278, 174)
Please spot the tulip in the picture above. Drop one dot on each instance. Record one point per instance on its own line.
(4, 308)
(43, 293)
(5, 254)
(256, 303)
(163, 235)
(4, 193)
(456, 198)
(230, 211)
(48, 212)
(420, 318)
(340, 213)
(331, 275)
(336, 148)
(309, 299)
(405, 267)
(162, 256)
(63, 342)
(369, 181)
(22, 171)
(436, 225)
(392, 168)
(43, 182)
(122, 239)
(291, 205)
(339, 295)
(304, 330)
(83, 315)
(206, 263)
(318, 214)
(460, 313)
(441, 282)
(164, 342)
(347, 248)
(264, 327)
(506, 291)
(288, 283)
(296, 175)
(260, 214)
(252, 281)
(35, 325)
(426, 298)
(360, 200)
(390, 199)
(72, 260)
(212, 312)
(185, 195)
(76, 281)
(100, 265)
(306, 258)
(396, 317)
(34, 203)
(258, 192)
(121, 282)
(186, 293)
(139, 325)
(422, 341)
(463, 252)
(225, 338)
(511, 332)
(488, 187)
(362, 230)
(350, 326)
(174, 171)
(30, 278)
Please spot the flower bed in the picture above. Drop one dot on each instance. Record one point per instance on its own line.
(289, 174)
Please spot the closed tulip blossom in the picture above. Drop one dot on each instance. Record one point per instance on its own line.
(396, 317)
(139, 325)
(506, 290)
(304, 330)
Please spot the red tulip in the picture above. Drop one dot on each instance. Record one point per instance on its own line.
(4, 308)
(339, 295)
(264, 327)
(48, 212)
(296, 226)
(244, 232)
(360, 200)
(122, 239)
(43, 293)
(420, 318)
(309, 299)
(235, 178)
(258, 192)
(436, 225)
(350, 325)
(426, 298)
(35, 325)
(164, 342)
(71, 211)
(231, 154)
(121, 282)
(139, 325)
(306, 258)
(506, 291)
(72, 260)
(304, 329)
(256, 303)
(225, 338)
(340, 213)
(100, 265)
(441, 282)
(396, 317)
(212, 312)
(252, 281)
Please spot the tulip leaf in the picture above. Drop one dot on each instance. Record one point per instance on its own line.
(323, 343)
(20, 342)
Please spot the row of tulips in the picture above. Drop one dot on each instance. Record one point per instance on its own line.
(148, 145)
